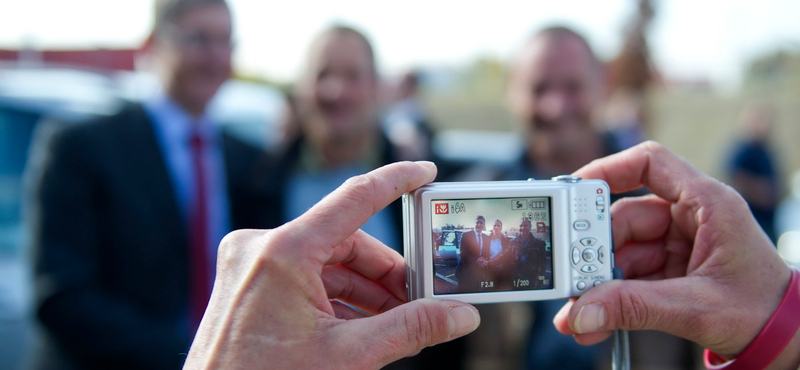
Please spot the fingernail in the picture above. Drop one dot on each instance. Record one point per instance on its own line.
(591, 318)
(462, 320)
(564, 311)
(430, 165)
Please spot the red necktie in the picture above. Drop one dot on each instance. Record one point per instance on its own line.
(199, 283)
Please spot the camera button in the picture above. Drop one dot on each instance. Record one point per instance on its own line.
(589, 242)
(581, 225)
(589, 255)
(581, 285)
(597, 282)
(601, 204)
(566, 178)
(576, 256)
(601, 254)
(588, 269)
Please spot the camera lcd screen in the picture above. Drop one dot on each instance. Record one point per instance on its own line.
(491, 245)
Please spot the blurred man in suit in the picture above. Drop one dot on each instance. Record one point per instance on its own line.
(127, 211)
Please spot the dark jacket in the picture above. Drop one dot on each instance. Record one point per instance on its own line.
(532, 263)
(468, 272)
(110, 246)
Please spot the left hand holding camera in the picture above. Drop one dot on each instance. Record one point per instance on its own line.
(705, 270)
(272, 302)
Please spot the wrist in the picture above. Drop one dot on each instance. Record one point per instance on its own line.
(778, 334)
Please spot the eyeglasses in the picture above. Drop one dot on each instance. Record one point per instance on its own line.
(197, 40)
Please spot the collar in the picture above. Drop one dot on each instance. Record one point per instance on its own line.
(312, 160)
(522, 168)
(175, 123)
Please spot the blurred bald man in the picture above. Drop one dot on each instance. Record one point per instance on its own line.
(555, 91)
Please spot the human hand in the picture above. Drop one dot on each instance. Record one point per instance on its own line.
(271, 306)
(704, 269)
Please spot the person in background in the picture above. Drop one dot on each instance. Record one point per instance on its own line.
(787, 213)
(339, 136)
(555, 88)
(288, 126)
(531, 258)
(556, 91)
(752, 170)
(406, 123)
(126, 212)
(472, 268)
(501, 257)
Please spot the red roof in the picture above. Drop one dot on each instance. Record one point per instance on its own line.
(111, 59)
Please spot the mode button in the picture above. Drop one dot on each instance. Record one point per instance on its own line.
(581, 225)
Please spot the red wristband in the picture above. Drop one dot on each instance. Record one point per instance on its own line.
(771, 341)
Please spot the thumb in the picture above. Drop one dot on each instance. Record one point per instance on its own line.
(662, 305)
(408, 328)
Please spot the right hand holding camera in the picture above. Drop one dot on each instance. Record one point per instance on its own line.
(702, 268)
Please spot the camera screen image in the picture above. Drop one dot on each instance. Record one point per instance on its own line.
(491, 245)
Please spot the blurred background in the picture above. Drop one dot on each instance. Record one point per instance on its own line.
(686, 73)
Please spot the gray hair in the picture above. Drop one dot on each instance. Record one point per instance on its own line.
(167, 11)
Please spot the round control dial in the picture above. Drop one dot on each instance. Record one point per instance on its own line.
(587, 255)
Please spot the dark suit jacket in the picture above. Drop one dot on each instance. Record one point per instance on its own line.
(111, 250)
(468, 272)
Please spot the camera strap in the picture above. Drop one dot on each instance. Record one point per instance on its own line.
(621, 349)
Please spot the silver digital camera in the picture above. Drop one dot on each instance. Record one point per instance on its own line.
(504, 241)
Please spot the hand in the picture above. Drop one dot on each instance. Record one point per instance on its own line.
(705, 270)
(271, 306)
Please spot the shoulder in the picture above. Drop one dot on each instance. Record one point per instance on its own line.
(611, 143)
(93, 134)
(130, 117)
(240, 148)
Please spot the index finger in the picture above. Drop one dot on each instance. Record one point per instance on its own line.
(648, 164)
(696, 198)
(346, 209)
